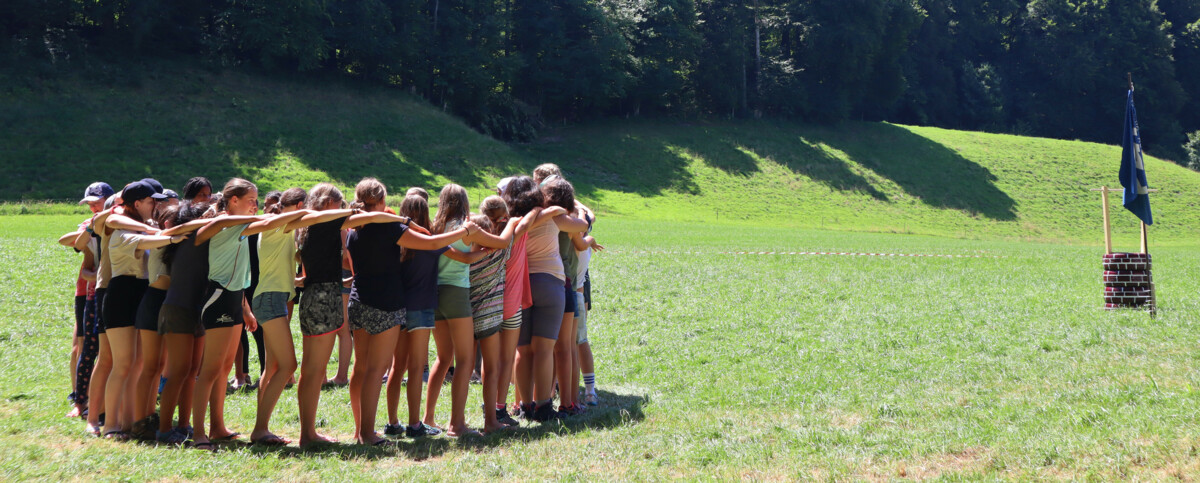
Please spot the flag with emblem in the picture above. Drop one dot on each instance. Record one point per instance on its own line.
(1136, 196)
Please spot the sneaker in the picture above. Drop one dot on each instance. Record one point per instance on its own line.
(572, 410)
(421, 430)
(591, 399)
(504, 418)
(523, 411)
(393, 429)
(546, 413)
(476, 379)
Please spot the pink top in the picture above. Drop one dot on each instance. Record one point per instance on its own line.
(517, 295)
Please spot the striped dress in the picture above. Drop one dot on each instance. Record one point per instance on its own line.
(487, 293)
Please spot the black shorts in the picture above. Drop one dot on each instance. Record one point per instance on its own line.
(147, 315)
(80, 305)
(222, 308)
(173, 319)
(101, 294)
(587, 289)
(122, 300)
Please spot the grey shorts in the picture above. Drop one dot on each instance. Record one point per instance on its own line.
(544, 319)
(373, 320)
(580, 318)
(321, 309)
(270, 306)
(512, 323)
(173, 319)
(453, 303)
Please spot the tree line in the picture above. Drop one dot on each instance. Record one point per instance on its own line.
(1052, 68)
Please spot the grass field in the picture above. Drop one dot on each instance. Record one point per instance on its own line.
(719, 366)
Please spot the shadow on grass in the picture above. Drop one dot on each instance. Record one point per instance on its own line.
(615, 410)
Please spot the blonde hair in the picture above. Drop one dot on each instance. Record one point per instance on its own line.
(323, 193)
(544, 171)
(419, 191)
(484, 223)
(495, 209)
(453, 205)
(368, 192)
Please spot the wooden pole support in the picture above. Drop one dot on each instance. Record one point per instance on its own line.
(1107, 224)
(1144, 238)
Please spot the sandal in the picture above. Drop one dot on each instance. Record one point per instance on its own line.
(205, 446)
(170, 437)
(117, 435)
(229, 437)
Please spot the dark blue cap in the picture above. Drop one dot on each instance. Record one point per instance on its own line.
(158, 187)
(97, 191)
(139, 190)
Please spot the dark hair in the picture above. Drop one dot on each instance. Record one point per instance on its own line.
(522, 196)
(234, 188)
(194, 185)
(368, 192)
(271, 202)
(496, 210)
(559, 192)
(185, 212)
(320, 195)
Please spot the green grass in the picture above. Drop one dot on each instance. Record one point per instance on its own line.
(170, 122)
(734, 366)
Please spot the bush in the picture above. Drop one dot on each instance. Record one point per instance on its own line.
(1192, 148)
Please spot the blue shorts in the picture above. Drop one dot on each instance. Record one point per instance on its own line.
(418, 320)
(270, 306)
(569, 295)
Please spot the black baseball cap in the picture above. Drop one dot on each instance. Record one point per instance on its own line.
(139, 190)
(97, 191)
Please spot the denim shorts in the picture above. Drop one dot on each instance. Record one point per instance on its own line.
(270, 306)
(580, 318)
(418, 320)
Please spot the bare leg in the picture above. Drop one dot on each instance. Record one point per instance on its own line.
(508, 353)
(122, 344)
(317, 350)
(147, 385)
(97, 390)
(216, 424)
(437, 374)
(189, 383)
(378, 351)
(418, 356)
(490, 349)
(564, 357)
(462, 334)
(281, 364)
(399, 366)
(178, 366)
(216, 346)
(542, 362)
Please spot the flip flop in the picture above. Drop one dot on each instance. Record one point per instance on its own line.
(93, 430)
(270, 440)
(383, 443)
(229, 437)
(205, 446)
(465, 434)
(117, 435)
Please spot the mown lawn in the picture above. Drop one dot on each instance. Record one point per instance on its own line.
(720, 366)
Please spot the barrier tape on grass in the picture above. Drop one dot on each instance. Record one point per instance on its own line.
(846, 254)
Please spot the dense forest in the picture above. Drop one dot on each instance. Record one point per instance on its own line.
(1053, 68)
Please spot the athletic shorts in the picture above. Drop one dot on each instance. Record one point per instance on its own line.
(147, 315)
(512, 323)
(544, 319)
(296, 298)
(346, 274)
(373, 320)
(270, 306)
(101, 294)
(453, 303)
(321, 309)
(80, 306)
(587, 289)
(173, 319)
(122, 300)
(222, 307)
(581, 319)
(569, 298)
(415, 320)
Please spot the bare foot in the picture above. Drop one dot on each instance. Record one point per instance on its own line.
(493, 427)
(316, 439)
(222, 433)
(267, 438)
(74, 412)
(461, 431)
(371, 439)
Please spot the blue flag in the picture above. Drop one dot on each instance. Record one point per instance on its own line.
(1136, 197)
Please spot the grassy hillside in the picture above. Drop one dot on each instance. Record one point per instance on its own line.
(172, 123)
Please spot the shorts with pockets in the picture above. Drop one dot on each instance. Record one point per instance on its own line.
(270, 306)
(581, 319)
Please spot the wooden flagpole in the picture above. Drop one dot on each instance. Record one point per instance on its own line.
(1107, 223)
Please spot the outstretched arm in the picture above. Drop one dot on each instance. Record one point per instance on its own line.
(315, 217)
(147, 242)
(468, 258)
(185, 228)
(570, 224)
(68, 240)
(361, 219)
(122, 222)
(273, 222)
(493, 241)
(215, 226)
(418, 241)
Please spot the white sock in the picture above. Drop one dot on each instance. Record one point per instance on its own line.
(589, 382)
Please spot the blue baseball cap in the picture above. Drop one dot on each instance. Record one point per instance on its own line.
(97, 191)
(158, 187)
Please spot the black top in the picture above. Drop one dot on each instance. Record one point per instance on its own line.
(321, 253)
(189, 275)
(376, 256)
(420, 276)
(253, 240)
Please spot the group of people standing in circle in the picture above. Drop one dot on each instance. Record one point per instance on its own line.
(170, 283)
